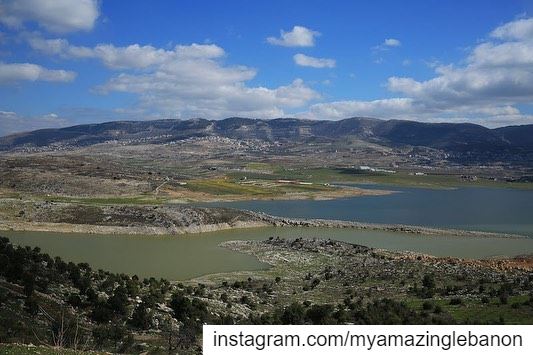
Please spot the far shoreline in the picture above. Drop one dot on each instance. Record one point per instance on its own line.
(263, 220)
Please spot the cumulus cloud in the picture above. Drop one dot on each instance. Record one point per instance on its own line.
(195, 88)
(387, 44)
(186, 81)
(11, 122)
(516, 30)
(13, 72)
(497, 72)
(54, 15)
(487, 87)
(392, 42)
(307, 61)
(411, 109)
(349, 108)
(496, 77)
(133, 56)
(299, 37)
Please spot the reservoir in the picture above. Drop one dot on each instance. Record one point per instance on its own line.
(471, 208)
(187, 256)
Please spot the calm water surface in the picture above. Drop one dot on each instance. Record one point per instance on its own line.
(183, 257)
(474, 208)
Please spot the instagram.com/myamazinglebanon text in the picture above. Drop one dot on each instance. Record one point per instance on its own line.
(368, 339)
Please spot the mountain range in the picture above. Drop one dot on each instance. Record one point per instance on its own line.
(460, 138)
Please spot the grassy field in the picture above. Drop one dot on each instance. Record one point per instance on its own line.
(112, 200)
(230, 187)
(257, 180)
(227, 187)
(242, 185)
(476, 312)
(329, 175)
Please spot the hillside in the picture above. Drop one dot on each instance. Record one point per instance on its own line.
(462, 137)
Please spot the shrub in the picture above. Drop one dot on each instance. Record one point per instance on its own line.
(504, 298)
(456, 301)
(427, 306)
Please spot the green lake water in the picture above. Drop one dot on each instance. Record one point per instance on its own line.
(184, 257)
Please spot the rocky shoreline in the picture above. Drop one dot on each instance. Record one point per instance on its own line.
(123, 230)
(401, 228)
(178, 220)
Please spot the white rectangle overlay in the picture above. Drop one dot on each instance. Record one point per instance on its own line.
(367, 339)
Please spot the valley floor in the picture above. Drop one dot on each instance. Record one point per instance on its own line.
(144, 189)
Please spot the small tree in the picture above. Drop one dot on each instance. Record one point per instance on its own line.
(118, 303)
(31, 305)
(142, 317)
(293, 314)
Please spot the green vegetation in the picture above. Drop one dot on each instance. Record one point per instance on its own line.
(20, 349)
(225, 187)
(111, 200)
(62, 305)
(237, 185)
(353, 175)
(518, 310)
(382, 311)
(103, 309)
(252, 180)
(324, 272)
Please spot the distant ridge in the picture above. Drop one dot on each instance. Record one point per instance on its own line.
(453, 137)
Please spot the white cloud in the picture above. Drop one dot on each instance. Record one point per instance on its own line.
(298, 37)
(133, 56)
(400, 108)
(307, 61)
(495, 73)
(188, 81)
(54, 15)
(192, 80)
(380, 49)
(193, 88)
(498, 72)
(11, 122)
(410, 109)
(387, 44)
(515, 30)
(13, 72)
(392, 42)
(350, 108)
(508, 54)
(129, 57)
(497, 76)
(199, 51)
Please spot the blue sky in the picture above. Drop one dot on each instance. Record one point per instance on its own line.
(65, 62)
